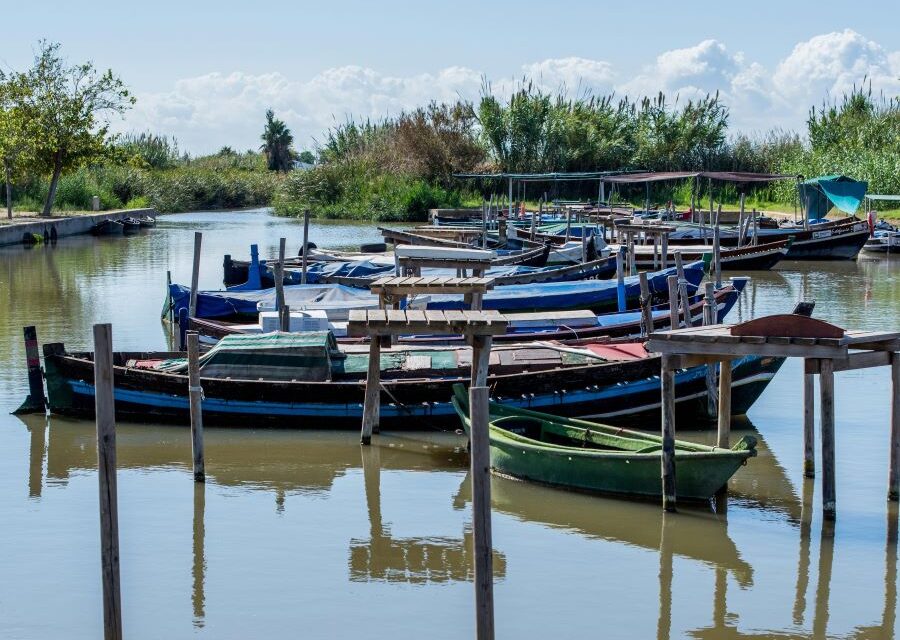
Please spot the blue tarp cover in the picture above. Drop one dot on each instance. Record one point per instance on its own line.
(820, 194)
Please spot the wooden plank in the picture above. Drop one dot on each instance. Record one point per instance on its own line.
(357, 315)
(395, 316)
(853, 361)
(455, 316)
(479, 412)
(105, 411)
(721, 349)
(415, 316)
(376, 317)
(433, 316)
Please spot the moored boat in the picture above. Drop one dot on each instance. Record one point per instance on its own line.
(146, 222)
(108, 228)
(130, 225)
(304, 381)
(588, 456)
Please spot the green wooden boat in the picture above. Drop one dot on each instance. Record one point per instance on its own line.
(587, 456)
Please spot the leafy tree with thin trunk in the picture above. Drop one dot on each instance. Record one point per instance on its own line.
(277, 140)
(15, 135)
(69, 108)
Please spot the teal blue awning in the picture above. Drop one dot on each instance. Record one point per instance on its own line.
(820, 194)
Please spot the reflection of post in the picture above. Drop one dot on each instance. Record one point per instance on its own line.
(889, 615)
(720, 599)
(803, 563)
(198, 571)
(664, 624)
(371, 464)
(36, 459)
(823, 585)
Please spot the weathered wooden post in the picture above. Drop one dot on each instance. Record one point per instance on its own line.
(479, 412)
(568, 223)
(679, 266)
(672, 281)
(755, 227)
(655, 251)
(710, 318)
(540, 214)
(195, 274)
(198, 570)
(170, 310)
(826, 390)
(894, 475)
(741, 222)
(195, 394)
(723, 431)
(667, 376)
(809, 424)
(632, 263)
(685, 302)
(371, 406)
(646, 313)
(284, 318)
(36, 399)
(485, 208)
(664, 250)
(717, 257)
(305, 258)
(620, 278)
(105, 411)
(182, 328)
(279, 276)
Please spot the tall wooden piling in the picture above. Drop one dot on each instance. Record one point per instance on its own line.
(279, 275)
(894, 474)
(679, 266)
(672, 282)
(620, 278)
(284, 318)
(723, 432)
(372, 401)
(685, 302)
(809, 425)
(646, 313)
(664, 250)
(195, 274)
(668, 433)
(709, 318)
(183, 323)
(305, 257)
(755, 237)
(740, 227)
(36, 399)
(105, 411)
(826, 391)
(481, 359)
(717, 257)
(481, 511)
(195, 393)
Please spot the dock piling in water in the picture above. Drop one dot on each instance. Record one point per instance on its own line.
(709, 318)
(809, 425)
(195, 394)
(36, 400)
(826, 391)
(667, 375)
(672, 282)
(479, 408)
(646, 312)
(105, 410)
(620, 277)
(305, 257)
(894, 474)
(195, 274)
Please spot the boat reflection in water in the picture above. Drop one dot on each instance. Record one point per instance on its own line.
(308, 463)
(417, 560)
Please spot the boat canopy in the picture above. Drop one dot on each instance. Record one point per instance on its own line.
(722, 176)
(822, 193)
(875, 196)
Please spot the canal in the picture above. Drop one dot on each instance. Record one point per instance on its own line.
(306, 533)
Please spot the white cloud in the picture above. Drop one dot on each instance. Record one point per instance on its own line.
(216, 109)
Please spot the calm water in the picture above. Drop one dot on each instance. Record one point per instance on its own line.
(308, 534)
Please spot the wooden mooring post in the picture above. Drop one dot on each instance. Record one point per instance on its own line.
(195, 394)
(825, 349)
(717, 256)
(620, 278)
(195, 274)
(646, 311)
(667, 375)
(279, 275)
(709, 318)
(672, 282)
(36, 400)
(305, 258)
(105, 411)
(480, 456)
(809, 425)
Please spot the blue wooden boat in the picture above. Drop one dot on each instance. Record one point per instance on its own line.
(338, 300)
(305, 381)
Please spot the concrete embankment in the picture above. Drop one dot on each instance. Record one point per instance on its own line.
(17, 232)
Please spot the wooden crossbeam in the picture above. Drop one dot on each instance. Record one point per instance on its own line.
(391, 322)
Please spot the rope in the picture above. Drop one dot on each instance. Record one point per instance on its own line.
(193, 389)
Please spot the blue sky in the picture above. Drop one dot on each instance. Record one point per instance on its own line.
(206, 71)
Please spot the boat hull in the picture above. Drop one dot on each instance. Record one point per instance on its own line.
(614, 391)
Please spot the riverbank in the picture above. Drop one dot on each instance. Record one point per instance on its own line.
(61, 224)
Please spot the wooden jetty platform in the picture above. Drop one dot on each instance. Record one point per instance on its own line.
(825, 349)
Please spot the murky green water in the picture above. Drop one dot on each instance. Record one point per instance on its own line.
(307, 534)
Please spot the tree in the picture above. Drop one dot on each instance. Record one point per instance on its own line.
(307, 156)
(15, 135)
(277, 141)
(69, 108)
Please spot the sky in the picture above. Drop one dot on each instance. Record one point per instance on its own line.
(205, 72)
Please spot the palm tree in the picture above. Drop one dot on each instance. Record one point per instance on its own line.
(277, 141)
